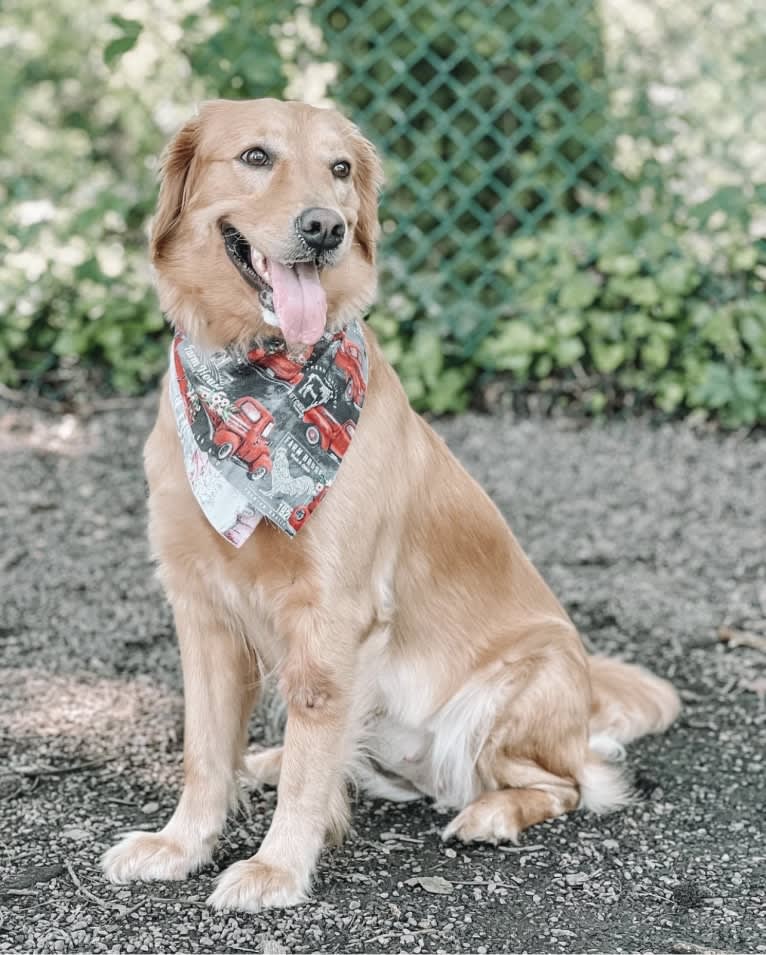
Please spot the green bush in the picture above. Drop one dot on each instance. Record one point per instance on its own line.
(88, 99)
(614, 311)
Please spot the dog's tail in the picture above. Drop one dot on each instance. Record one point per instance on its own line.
(627, 702)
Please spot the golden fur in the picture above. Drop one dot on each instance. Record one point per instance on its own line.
(416, 647)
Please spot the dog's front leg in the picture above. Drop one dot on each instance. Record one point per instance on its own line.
(220, 684)
(316, 681)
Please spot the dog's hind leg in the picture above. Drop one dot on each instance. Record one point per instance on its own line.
(531, 795)
(262, 767)
(536, 753)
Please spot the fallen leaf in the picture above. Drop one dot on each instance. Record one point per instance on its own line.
(434, 884)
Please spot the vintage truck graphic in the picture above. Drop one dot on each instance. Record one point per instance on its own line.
(241, 434)
(329, 434)
(277, 365)
(303, 512)
(348, 359)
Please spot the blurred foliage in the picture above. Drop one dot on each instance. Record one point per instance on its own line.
(616, 311)
(88, 98)
(498, 122)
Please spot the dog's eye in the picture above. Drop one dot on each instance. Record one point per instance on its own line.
(341, 169)
(255, 156)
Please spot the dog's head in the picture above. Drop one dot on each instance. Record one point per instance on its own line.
(267, 219)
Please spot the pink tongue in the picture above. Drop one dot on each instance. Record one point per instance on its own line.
(299, 301)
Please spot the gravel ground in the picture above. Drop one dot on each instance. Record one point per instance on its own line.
(654, 540)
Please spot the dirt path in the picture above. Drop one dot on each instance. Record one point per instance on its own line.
(653, 539)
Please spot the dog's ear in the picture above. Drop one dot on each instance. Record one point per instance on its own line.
(175, 167)
(368, 179)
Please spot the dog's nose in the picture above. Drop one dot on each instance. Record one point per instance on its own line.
(322, 229)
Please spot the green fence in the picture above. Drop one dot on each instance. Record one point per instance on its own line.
(494, 116)
(491, 117)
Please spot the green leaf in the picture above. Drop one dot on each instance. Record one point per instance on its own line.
(426, 351)
(449, 392)
(623, 265)
(669, 396)
(677, 278)
(568, 351)
(125, 25)
(655, 353)
(579, 292)
(516, 337)
(117, 47)
(640, 291)
(569, 323)
(745, 259)
(607, 357)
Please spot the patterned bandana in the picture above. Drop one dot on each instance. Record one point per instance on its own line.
(263, 435)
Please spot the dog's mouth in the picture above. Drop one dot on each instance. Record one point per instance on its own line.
(290, 293)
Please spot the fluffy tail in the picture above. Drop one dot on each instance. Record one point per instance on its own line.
(628, 702)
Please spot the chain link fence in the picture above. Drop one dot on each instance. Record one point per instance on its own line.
(496, 115)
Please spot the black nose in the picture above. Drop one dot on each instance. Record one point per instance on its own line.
(322, 229)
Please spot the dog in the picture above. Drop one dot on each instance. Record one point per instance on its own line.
(416, 648)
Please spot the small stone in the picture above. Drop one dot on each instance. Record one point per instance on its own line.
(79, 835)
(576, 878)
(149, 808)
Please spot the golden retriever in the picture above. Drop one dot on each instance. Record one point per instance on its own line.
(417, 649)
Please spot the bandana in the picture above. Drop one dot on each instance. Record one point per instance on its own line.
(262, 434)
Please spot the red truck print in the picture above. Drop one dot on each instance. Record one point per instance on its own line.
(242, 435)
(349, 359)
(328, 433)
(277, 365)
(303, 512)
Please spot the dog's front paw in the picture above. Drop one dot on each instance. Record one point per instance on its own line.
(253, 885)
(150, 857)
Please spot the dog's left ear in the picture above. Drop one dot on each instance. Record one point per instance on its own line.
(175, 167)
(368, 180)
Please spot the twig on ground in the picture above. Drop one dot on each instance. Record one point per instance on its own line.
(480, 882)
(174, 901)
(56, 770)
(689, 948)
(535, 848)
(13, 793)
(403, 931)
(742, 638)
(101, 903)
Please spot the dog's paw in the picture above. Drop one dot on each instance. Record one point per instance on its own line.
(262, 768)
(485, 821)
(150, 857)
(252, 885)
